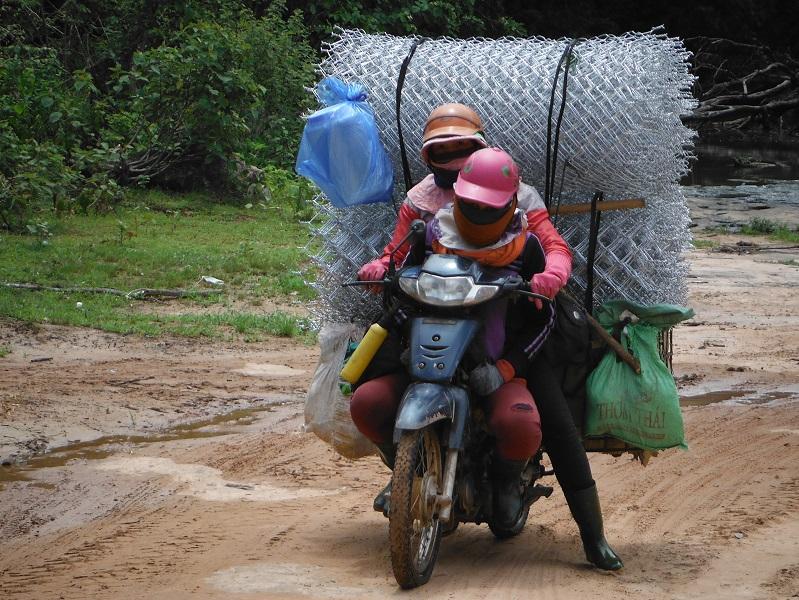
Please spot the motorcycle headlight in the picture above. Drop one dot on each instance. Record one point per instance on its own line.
(447, 291)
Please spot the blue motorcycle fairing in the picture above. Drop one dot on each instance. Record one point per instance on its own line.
(437, 346)
(426, 403)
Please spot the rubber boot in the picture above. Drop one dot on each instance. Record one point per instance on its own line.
(508, 500)
(585, 509)
(387, 454)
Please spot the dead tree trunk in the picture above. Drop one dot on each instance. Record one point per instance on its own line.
(740, 83)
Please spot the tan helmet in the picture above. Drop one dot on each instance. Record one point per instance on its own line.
(452, 119)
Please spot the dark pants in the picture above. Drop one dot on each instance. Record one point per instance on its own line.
(561, 438)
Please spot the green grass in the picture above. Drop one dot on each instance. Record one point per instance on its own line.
(775, 231)
(705, 243)
(4, 351)
(157, 240)
(113, 313)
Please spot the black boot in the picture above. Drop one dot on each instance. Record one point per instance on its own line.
(584, 505)
(387, 454)
(508, 501)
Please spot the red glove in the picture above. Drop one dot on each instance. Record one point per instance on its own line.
(505, 369)
(546, 284)
(554, 277)
(373, 271)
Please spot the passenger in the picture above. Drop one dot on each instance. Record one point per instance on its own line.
(375, 401)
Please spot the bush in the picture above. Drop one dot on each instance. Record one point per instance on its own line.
(278, 55)
(189, 107)
(183, 105)
(47, 116)
(177, 96)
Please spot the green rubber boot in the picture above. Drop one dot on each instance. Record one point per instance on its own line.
(585, 509)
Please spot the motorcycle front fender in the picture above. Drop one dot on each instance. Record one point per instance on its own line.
(426, 403)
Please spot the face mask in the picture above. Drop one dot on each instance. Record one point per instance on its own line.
(445, 174)
(482, 229)
(451, 165)
(444, 178)
(443, 158)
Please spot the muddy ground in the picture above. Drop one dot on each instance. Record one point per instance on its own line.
(247, 505)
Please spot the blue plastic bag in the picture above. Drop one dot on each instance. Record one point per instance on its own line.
(341, 151)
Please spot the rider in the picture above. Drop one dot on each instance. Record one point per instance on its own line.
(474, 229)
(374, 402)
(484, 223)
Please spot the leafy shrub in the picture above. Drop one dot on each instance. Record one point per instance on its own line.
(39, 100)
(217, 90)
(93, 95)
(278, 55)
(32, 174)
(183, 105)
(46, 117)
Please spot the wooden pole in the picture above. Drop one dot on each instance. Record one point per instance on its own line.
(585, 207)
(633, 362)
(620, 351)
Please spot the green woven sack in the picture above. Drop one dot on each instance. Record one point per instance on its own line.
(643, 410)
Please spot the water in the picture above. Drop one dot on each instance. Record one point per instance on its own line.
(734, 164)
(108, 445)
(731, 185)
(747, 397)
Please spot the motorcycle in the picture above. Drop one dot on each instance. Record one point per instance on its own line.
(441, 473)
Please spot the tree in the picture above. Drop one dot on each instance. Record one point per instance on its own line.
(739, 83)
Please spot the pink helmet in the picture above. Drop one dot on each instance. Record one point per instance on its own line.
(489, 177)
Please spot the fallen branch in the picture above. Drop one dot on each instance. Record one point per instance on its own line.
(738, 83)
(129, 381)
(137, 294)
(736, 111)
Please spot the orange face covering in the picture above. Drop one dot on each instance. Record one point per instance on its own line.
(482, 234)
(495, 257)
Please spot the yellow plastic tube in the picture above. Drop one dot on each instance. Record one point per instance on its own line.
(364, 353)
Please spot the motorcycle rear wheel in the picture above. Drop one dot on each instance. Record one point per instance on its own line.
(414, 530)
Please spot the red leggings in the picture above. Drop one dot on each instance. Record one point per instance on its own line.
(513, 416)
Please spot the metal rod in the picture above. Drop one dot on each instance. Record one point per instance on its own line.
(449, 485)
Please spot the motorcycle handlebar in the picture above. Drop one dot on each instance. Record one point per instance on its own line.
(365, 282)
(519, 286)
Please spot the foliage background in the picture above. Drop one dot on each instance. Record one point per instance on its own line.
(96, 97)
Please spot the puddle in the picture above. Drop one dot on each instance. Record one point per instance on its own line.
(286, 578)
(104, 447)
(713, 397)
(747, 397)
(206, 483)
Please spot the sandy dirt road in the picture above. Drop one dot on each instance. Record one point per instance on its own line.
(252, 507)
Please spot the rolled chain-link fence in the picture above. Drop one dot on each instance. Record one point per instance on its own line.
(621, 134)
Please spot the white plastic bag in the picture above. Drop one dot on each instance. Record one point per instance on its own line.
(327, 410)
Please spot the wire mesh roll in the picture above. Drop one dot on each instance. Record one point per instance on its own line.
(621, 133)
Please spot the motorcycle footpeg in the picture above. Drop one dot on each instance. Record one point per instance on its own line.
(537, 491)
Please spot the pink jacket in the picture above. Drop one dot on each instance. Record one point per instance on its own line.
(425, 199)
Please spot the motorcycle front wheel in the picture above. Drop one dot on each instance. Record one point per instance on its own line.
(414, 529)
